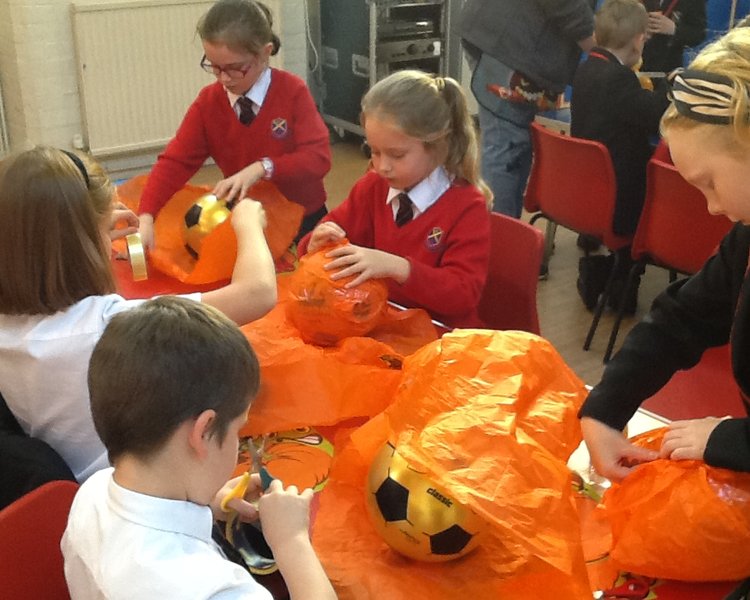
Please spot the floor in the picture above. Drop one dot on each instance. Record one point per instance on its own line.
(563, 318)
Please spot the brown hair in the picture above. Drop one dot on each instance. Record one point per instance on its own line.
(729, 56)
(618, 22)
(51, 249)
(240, 25)
(432, 109)
(163, 363)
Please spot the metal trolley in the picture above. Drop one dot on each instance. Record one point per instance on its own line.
(365, 40)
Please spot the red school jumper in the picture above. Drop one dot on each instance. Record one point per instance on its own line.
(447, 246)
(288, 129)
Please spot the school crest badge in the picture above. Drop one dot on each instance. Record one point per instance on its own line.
(434, 238)
(279, 128)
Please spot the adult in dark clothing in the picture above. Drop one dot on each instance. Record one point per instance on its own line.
(524, 53)
(708, 131)
(672, 25)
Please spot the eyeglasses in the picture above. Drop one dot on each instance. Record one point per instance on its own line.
(234, 71)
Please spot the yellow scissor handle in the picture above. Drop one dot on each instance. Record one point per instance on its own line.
(238, 491)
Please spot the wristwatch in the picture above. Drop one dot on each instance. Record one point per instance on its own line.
(267, 167)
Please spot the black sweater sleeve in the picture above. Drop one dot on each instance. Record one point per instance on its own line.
(689, 316)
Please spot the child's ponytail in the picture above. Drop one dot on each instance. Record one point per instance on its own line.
(463, 151)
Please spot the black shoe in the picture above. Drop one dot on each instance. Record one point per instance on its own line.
(593, 272)
(615, 295)
(588, 243)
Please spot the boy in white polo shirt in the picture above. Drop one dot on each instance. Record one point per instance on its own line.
(170, 384)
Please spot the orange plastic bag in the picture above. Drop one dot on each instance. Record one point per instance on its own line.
(324, 310)
(219, 250)
(680, 519)
(491, 417)
(303, 384)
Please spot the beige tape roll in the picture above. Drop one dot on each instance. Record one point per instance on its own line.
(137, 257)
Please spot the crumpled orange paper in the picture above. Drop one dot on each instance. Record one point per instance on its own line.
(491, 416)
(219, 249)
(303, 384)
(680, 519)
(324, 310)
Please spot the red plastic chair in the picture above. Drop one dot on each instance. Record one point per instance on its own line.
(509, 297)
(675, 230)
(706, 390)
(31, 563)
(572, 184)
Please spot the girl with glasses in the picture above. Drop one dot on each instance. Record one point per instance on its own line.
(256, 122)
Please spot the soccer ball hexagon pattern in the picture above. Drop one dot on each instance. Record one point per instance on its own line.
(414, 516)
(205, 215)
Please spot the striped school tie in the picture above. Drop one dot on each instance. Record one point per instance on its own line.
(246, 110)
(405, 211)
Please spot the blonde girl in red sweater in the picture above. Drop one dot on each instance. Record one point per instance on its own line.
(420, 217)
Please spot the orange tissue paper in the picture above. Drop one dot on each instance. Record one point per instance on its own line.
(490, 417)
(680, 519)
(324, 310)
(219, 249)
(304, 384)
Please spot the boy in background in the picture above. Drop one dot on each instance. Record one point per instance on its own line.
(170, 383)
(609, 105)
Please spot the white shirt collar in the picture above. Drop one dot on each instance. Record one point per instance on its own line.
(425, 193)
(257, 93)
(176, 516)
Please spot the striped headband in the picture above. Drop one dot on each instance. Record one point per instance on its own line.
(702, 96)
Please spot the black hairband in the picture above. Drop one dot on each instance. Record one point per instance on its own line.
(78, 163)
(702, 96)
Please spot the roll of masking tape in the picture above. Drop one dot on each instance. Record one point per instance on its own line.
(137, 257)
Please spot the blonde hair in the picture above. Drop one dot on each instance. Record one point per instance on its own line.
(729, 56)
(432, 109)
(51, 249)
(617, 22)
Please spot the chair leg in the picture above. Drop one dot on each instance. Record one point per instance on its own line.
(621, 309)
(549, 241)
(601, 304)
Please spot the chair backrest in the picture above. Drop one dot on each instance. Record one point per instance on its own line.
(572, 182)
(509, 297)
(676, 230)
(31, 563)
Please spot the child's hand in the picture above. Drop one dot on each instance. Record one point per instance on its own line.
(324, 234)
(243, 506)
(612, 455)
(284, 514)
(236, 186)
(659, 23)
(686, 440)
(120, 212)
(146, 229)
(248, 213)
(366, 263)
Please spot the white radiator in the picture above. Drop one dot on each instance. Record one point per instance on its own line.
(138, 70)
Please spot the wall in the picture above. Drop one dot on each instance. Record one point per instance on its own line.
(38, 77)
